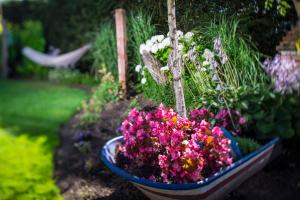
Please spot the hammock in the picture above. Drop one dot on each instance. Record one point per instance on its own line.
(58, 61)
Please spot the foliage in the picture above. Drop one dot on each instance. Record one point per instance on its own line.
(282, 6)
(270, 114)
(69, 76)
(30, 34)
(247, 145)
(223, 71)
(31, 113)
(26, 168)
(77, 19)
(220, 65)
(107, 91)
(140, 28)
(104, 51)
(177, 150)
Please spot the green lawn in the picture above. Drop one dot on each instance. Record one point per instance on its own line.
(31, 114)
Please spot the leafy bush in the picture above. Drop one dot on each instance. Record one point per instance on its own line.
(247, 145)
(70, 77)
(23, 177)
(31, 34)
(270, 114)
(104, 51)
(222, 70)
(219, 66)
(107, 91)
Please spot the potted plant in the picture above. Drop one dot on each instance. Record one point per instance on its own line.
(168, 155)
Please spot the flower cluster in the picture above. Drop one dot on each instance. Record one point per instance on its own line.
(214, 60)
(230, 119)
(158, 45)
(285, 72)
(184, 151)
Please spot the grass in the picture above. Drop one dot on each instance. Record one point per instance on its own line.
(31, 114)
(104, 50)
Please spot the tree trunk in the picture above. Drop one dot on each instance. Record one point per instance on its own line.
(174, 61)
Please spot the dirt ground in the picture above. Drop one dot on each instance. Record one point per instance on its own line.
(80, 173)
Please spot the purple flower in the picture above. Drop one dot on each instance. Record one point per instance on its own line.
(285, 73)
(218, 47)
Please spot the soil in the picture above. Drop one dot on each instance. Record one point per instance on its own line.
(80, 173)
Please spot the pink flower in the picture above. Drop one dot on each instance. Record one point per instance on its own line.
(242, 121)
(182, 149)
(217, 131)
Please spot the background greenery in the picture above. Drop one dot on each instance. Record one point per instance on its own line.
(71, 23)
(31, 113)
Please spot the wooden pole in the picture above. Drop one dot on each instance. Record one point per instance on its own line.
(4, 59)
(175, 61)
(122, 47)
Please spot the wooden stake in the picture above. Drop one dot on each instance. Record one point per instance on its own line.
(4, 59)
(175, 62)
(122, 47)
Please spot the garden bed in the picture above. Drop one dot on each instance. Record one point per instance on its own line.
(84, 176)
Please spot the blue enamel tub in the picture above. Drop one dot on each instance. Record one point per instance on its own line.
(214, 187)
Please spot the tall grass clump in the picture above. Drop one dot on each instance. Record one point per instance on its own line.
(225, 85)
(244, 67)
(104, 51)
(140, 28)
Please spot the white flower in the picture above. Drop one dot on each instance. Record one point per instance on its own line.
(180, 47)
(142, 48)
(143, 72)
(160, 46)
(149, 43)
(219, 87)
(202, 69)
(215, 77)
(138, 68)
(188, 35)
(185, 142)
(166, 42)
(143, 81)
(205, 63)
(179, 34)
(208, 54)
(153, 39)
(165, 68)
(160, 38)
(154, 48)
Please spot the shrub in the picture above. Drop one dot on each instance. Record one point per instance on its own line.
(104, 51)
(222, 70)
(30, 34)
(219, 66)
(247, 145)
(176, 150)
(21, 176)
(70, 77)
(107, 91)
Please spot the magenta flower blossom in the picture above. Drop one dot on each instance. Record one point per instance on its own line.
(182, 149)
(230, 119)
